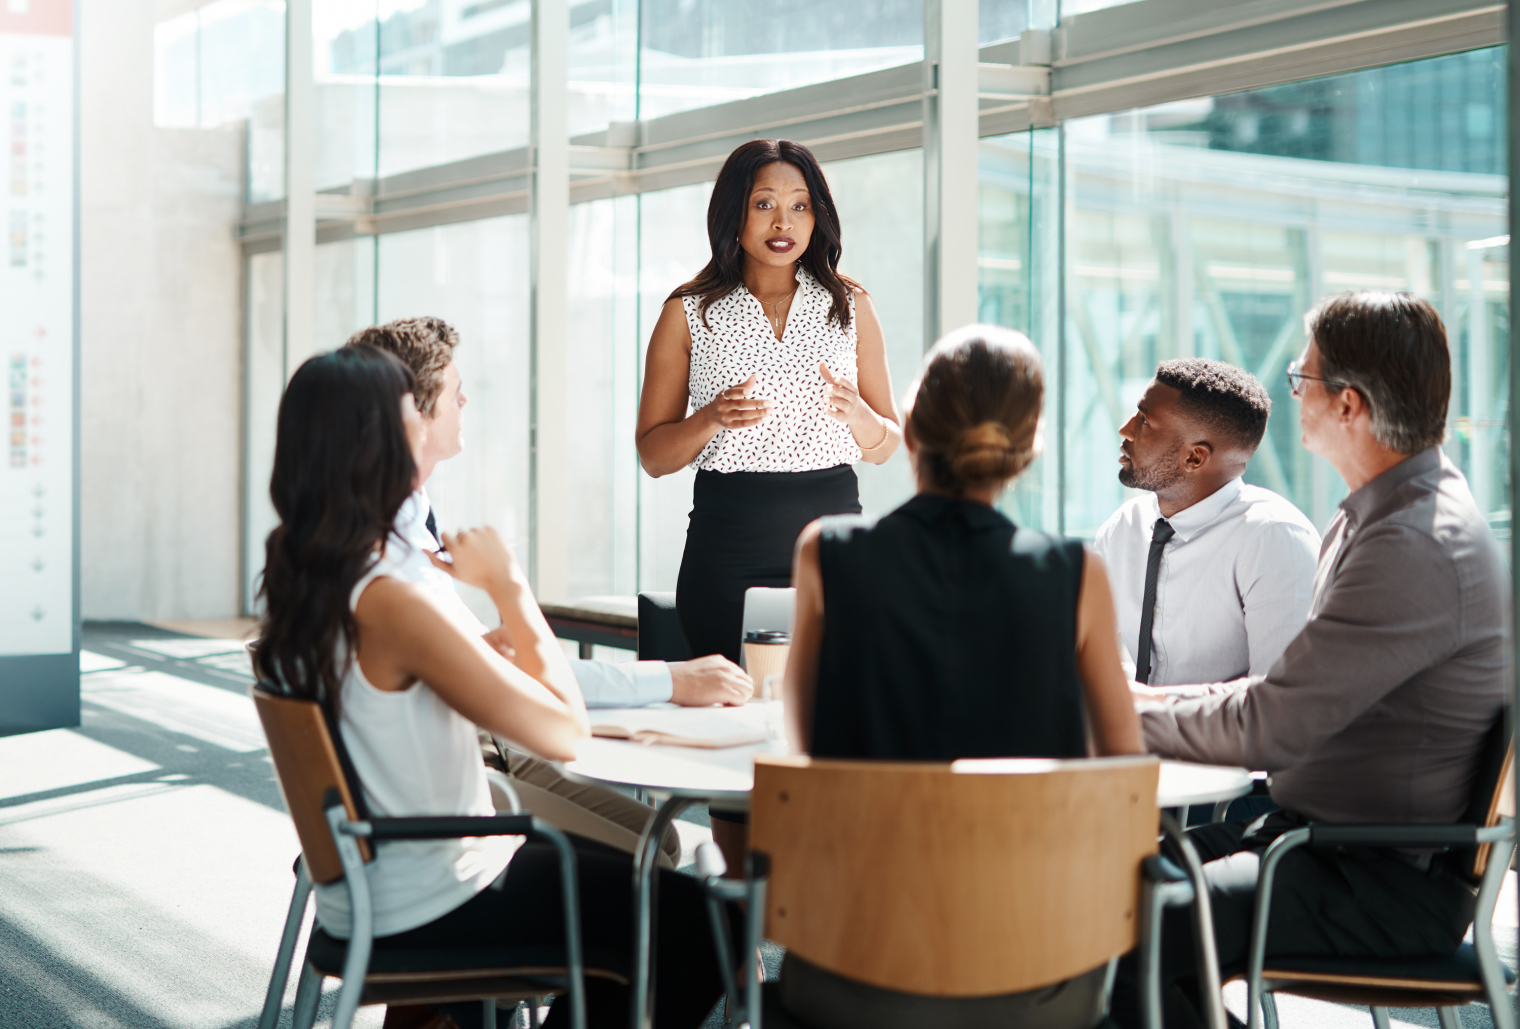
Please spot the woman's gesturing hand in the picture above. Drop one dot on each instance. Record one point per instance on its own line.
(479, 558)
(841, 399)
(734, 408)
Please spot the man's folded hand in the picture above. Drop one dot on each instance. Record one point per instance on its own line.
(709, 680)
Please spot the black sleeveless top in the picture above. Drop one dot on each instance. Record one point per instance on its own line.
(947, 633)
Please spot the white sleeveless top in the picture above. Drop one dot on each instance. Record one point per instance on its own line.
(799, 436)
(415, 755)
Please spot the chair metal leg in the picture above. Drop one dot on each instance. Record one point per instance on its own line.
(1268, 1011)
(1500, 1004)
(1156, 895)
(1256, 957)
(645, 885)
(575, 965)
(488, 1013)
(274, 999)
(308, 995)
(361, 939)
(1449, 1017)
(1379, 1017)
(353, 984)
(754, 972)
(533, 1013)
(1209, 984)
(1151, 906)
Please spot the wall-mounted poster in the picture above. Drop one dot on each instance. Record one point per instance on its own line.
(39, 661)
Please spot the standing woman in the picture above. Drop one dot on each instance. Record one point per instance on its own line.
(781, 363)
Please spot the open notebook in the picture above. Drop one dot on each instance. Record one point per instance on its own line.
(710, 727)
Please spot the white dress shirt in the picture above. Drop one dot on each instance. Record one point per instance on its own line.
(603, 683)
(1234, 586)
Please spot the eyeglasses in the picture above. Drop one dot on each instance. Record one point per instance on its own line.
(1296, 380)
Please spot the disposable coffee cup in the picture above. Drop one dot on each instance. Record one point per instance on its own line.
(765, 654)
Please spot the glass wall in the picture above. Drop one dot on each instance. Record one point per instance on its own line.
(698, 52)
(224, 62)
(602, 397)
(1018, 262)
(1208, 227)
(881, 214)
(475, 276)
(1201, 227)
(693, 53)
(672, 248)
(406, 84)
(345, 274)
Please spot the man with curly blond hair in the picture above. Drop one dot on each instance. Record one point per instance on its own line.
(426, 345)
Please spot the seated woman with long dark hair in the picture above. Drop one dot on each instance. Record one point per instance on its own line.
(407, 688)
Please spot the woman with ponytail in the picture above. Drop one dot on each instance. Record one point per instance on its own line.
(942, 630)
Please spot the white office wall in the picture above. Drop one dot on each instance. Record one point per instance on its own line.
(161, 365)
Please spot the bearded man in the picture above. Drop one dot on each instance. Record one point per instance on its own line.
(1212, 578)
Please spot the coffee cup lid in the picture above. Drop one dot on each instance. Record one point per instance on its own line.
(767, 636)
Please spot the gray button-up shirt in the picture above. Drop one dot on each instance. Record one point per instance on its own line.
(1377, 709)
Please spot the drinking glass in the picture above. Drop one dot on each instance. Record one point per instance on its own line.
(775, 718)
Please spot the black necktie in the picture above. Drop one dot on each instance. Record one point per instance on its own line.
(1162, 532)
(432, 526)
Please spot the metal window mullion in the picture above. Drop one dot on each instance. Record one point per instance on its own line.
(300, 223)
(1062, 365)
(950, 138)
(1513, 23)
(548, 304)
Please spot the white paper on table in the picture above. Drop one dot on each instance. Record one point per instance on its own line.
(708, 727)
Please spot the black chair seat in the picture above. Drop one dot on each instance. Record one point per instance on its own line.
(328, 952)
(777, 1017)
(1459, 969)
(661, 637)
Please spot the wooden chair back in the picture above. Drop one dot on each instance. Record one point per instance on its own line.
(307, 765)
(974, 878)
(1493, 786)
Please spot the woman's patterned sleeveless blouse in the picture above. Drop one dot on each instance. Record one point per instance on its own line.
(799, 436)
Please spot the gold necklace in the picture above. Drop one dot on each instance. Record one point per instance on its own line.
(775, 319)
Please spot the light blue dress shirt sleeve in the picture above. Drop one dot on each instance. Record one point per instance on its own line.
(634, 684)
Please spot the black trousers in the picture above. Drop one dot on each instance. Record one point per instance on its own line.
(743, 528)
(1347, 902)
(527, 911)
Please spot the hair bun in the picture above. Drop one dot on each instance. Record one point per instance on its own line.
(983, 454)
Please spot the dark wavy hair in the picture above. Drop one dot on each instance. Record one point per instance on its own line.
(342, 469)
(729, 207)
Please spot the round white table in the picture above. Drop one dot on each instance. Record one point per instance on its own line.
(722, 778)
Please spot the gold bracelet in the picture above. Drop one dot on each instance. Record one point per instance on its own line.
(885, 433)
